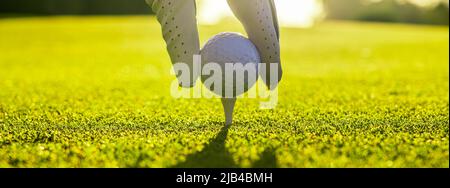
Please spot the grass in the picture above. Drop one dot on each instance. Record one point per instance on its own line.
(94, 92)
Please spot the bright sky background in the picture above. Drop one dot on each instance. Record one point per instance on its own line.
(291, 13)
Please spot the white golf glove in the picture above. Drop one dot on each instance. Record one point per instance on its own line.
(179, 27)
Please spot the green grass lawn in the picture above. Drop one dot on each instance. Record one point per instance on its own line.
(95, 92)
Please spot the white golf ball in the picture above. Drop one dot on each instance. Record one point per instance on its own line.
(234, 55)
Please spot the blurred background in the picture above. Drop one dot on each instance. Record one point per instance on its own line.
(302, 13)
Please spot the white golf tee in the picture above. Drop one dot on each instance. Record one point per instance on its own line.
(228, 107)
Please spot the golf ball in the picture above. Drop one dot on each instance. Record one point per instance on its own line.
(234, 60)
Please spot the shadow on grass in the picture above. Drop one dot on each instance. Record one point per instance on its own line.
(216, 155)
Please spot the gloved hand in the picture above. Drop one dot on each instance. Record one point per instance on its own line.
(179, 27)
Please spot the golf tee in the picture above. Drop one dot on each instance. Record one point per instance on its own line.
(228, 107)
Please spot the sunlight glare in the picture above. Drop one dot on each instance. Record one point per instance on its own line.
(290, 13)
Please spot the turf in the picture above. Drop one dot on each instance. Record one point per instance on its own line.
(94, 92)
